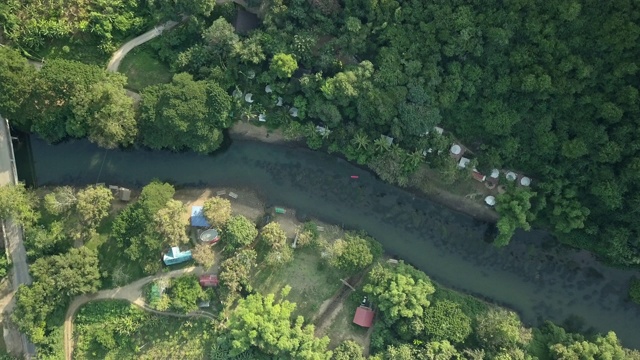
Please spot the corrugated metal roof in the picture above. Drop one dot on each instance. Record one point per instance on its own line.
(363, 317)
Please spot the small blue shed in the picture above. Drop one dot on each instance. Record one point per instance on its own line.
(175, 256)
(197, 217)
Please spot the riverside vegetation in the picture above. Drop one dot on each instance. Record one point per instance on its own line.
(76, 240)
(549, 89)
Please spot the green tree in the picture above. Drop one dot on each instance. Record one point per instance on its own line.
(60, 200)
(217, 211)
(169, 223)
(238, 233)
(273, 236)
(446, 321)
(31, 312)
(17, 77)
(204, 255)
(92, 207)
(104, 113)
(604, 347)
(17, 204)
(133, 228)
(514, 208)
(185, 292)
(41, 241)
(399, 292)
(73, 273)
(441, 350)
(235, 271)
(283, 65)
(348, 350)
(351, 254)
(264, 323)
(184, 114)
(501, 329)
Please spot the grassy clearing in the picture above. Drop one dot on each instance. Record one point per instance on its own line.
(342, 327)
(311, 281)
(143, 68)
(119, 330)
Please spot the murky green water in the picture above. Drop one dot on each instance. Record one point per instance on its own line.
(533, 276)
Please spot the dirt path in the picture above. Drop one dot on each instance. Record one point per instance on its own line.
(326, 316)
(119, 54)
(131, 293)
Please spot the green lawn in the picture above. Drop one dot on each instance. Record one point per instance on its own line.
(311, 282)
(143, 68)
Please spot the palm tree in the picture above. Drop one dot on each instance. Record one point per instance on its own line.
(361, 141)
(381, 145)
(412, 161)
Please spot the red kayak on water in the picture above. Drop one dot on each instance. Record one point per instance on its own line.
(354, 176)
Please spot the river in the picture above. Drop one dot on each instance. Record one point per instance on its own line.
(533, 275)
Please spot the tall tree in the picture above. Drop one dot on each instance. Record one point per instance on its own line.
(184, 114)
(185, 292)
(60, 200)
(283, 65)
(170, 224)
(501, 329)
(238, 233)
(399, 292)
(351, 254)
(92, 207)
(17, 204)
(133, 227)
(104, 113)
(217, 211)
(446, 321)
(17, 77)
(264, 323)
(273, 236)
(204, 255)
(73, 273)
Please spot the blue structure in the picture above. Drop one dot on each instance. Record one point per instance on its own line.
(197, 217)
(175, 256)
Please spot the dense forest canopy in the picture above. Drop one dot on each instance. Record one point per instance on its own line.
(549, 89)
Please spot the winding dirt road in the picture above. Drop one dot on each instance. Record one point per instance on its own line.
(132, 293)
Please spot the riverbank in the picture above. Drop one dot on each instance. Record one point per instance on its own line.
(534, 274)
(460, 196)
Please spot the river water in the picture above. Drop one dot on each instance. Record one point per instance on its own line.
(533, 275)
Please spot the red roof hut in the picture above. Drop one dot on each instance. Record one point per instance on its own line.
(363, 316)
(208, 280)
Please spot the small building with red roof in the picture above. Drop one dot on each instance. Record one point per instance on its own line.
(209, 280)
(363, 316)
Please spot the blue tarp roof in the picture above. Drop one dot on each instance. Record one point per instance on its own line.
(197, 217)
(176, 256)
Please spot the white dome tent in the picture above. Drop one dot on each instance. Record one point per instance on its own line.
(495, 173)
(490, 200)
(456, 149)
(248, 98)
(525, 181)
(511, 176)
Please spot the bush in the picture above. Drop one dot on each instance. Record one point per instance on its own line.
(634, 290)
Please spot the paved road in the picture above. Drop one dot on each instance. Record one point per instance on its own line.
(117, 56)
(12, 231)
(131, 293)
